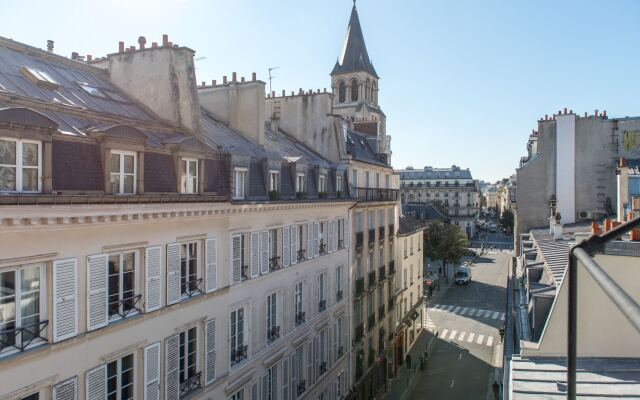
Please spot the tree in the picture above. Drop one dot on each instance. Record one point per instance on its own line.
(506, 220)
(445, 242)
(483, 201)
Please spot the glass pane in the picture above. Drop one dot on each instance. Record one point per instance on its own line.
(30, 179)
(30, 278)
(128, 164)
(115, 183)
(115, 162)
(30, 154)
(192, 168)
(7, 152)
(8, 178)
(128, 184)
(194, 185)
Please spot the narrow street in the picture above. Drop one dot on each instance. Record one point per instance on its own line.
(465, 321)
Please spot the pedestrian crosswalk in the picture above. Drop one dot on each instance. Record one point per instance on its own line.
(428, 322)
(468, 311)
(468, 337)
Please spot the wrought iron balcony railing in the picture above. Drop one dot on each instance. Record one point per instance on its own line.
(338, 295)
(322, 248)
(191, 287)
(302, 386)
(273, 333)
(300, 318)
(340, 244)
(359, 286)
(190, 385)
(244, 272)
(239, 354)
(21, 338)
(373, 194)
(301, 255)
(322, 305)
(372, 279)
(274, 263)
(125, 307)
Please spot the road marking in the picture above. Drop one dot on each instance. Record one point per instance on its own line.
(462, 335)
(436, 306)
(464, 311)
(453, 334)
(495, 315)
(471, 336)
(444, 333)
(502, 317)
(480, 339)
(453, 382)
(487, 313)
(455, 310)
(449, 307)
(489, 341)
(472, 312)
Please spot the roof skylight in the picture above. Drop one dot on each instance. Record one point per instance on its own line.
(39, 78)
(93, 91)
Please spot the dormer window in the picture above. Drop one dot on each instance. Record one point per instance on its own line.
(40, 78)
(322, 184)
(123, 172)
(20, 165)
(274, 181)
(300, 182)
(240, 180)
(189, 175)
(338, 183)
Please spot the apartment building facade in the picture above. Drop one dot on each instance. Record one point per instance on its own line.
(158, 248)
(453, 190)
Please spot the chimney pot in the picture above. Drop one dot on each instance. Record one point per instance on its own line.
(570, 111)
(585, 114)
(132, 48)
(233, 76)
(142, 41)
(89, 57)
(595, 228)
(154, 45)
(607, 224)
(292, 93)
(325, 90)
(546, 117)
(604, 114)
(213, 82)
(203, 83)
(284, 93)
(242, 79)
(165, 40)
(50, 46)
(74, 55)
(273, 93)
(253, 76)
(224, 80)
(120, 47)
(268, 95)
(565, 110)
(595, 113)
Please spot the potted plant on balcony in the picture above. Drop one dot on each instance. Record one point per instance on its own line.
(322, 195)
(274, 195)
(300, 195)
(339, 194)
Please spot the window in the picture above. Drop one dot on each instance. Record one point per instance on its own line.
(411, 244)
(189, 175)
(238, 348)
(239, 395)
(189, 282)
(381, 256)
(387, 182)
(377, 180)
(322, 292)
(270, 384)
(120, 376)
(298, 301)
(20, 165)
(339, 292)
(354, 90)
(359, 270)
(338, 183)
(404, 277)
(404, 248)
(354, 178)
(411, 274)
(40, 78)
(322, 184)
(342, 92)
(21, 307)
(274, 181)
(240, 178)
(366, 179)
(93, 91)
(300, 183)
(122, 283)
(123, 172)
(273, 330)
(34, 396)
(370, 259)
(188, 359)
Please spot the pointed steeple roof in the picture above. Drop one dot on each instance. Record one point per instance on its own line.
(354, 56)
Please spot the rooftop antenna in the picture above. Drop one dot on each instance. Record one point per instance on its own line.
(271, 77)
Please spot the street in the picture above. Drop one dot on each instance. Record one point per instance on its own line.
(464, 321)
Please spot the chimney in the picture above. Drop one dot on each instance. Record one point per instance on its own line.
(50, 46)
(253, 76)
(141, 42)
(120, 47)
(595, 228)
(557, 231)
(173, 94)
(89, 57)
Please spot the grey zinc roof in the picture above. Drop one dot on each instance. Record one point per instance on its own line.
(354, 56)
(289, 148)
(424, 211)
(361, 149)
(597, 378)
(440, 173)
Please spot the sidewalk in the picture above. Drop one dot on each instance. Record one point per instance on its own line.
(399, 387)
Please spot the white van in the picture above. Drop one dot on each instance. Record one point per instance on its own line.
(463, 275)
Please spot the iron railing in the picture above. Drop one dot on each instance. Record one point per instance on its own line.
(239, 354)
(21, 338)
(129, 305)
(190, 385)
(191, 287)
(273, 333)
(301, 256)
(300, 318)
(322, 305)
(244, 272)
(628, 306)
(274, 263)
(373, 194)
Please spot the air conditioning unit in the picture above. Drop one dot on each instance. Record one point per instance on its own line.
(585, 214)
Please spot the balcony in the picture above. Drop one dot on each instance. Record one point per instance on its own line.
(381, 273)
(359, 286)
(392, 267)
(372, 236)
(244, 272)
(359, 240)
(381, 312)
(338, 296)
(323, 368)
(322, 306)
(273, 334)
(359, 332)
(371, 321)
(302, 386)
(191, 287)
(323, 248)
(372, 194)
(274, 263)
(381, 233)
(340, 244)
(300, 318)
(301, 256)
(21, 338)
(239, 354)
(372, 279)
(190, 385)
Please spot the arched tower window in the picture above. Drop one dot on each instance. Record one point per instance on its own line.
(354, 90)
(342, 92)
(367, 90)
(374, 93)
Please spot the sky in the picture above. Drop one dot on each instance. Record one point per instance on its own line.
(462, 82)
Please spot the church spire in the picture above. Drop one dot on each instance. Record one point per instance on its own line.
(354, 56)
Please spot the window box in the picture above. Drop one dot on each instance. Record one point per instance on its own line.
(274, 195)
(300, 318)
(301, 195)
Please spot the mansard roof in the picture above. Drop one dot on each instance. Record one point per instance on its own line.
(354, 56)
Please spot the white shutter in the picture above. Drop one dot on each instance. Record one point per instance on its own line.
(265, 386)
(255, 254)
(286, 252)
(347, 225)
(65, 295)
(331, 236)
(285, 379)
(211, 262)
(97, 314)
(294, 374)
(255, 393)
(236, 258)
(96, 383)
(264, 252)
(309, 252)
(294, 244)
(309, 355)
(153, 278)
(66, 390)
(172, 368)
(316, 239)
(210, 351)
(173, 273)
(152, 372)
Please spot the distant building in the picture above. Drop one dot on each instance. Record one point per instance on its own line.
(490, 194)
(452, 189)
(425, 213)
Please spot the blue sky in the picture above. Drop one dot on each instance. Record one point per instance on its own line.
(462, 82)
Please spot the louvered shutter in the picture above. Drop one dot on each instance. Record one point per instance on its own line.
(309, 251)
(210, 351)
(255, 254)
(152, 372)
(65, 295)
(309, 355)
(173, 273)
(153, 278)
(255, 391)
(97, 314)
(96, 383)
(316, 239)
(316, 356)
(264, 252)
(285, 379)
(236, 258)
(172, 368)
(331, 236)
(295, 373)
(67, 390)
(286, 245)
(265, 386)
(294, 244)
(347, 238)
(211, 262)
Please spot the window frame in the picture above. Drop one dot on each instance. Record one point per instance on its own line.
(119, 375)
(198, 261)
(186, 177)
(19, 167)
(301, 180)
(121, 174)
(244, 172)
(298, 300)
(338, 183)
(136, 283)
(184, 367)
(271, 315)
(322, 183)
(274, 185)
(234, 334)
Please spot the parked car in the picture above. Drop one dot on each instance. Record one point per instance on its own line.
(462, 275)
